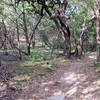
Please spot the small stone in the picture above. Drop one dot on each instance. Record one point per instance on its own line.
(46, 89)
(43, 84)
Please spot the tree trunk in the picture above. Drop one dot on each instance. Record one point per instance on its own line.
(33, 43)
(86, 27)
(61, 26)
(33, 38)
(25, 29)
(5, 36)
(20, 55)
(98, 28)
(98, 38)
(29, 49)
(67, 47)
(78, 49)
(98, 53)
(5, 49)
(64, 28)
(18, 39)
(0, 61)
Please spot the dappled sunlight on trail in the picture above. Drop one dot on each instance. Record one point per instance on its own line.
(73, 80)
(92, 55)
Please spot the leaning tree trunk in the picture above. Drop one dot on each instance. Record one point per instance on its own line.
(86, 27)
(66, 37)
(64, 28)
(79, 44)
(61, 25)
(32, 37)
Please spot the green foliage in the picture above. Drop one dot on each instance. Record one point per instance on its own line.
(30, 65)
(99, 71)
(49, 69)
(59, 44)
(23, 72)
(36, 67)
(18, 84)
(1, 80)
(40, 55)
(96, 64)
(41, 74)
(18, 67)
(24, 80)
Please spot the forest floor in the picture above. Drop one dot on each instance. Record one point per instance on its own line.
(75, 79)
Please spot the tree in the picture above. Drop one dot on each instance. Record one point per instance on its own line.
(59, 17)
(85, 29)
(98, 27)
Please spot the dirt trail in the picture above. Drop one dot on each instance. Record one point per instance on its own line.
(74, 80)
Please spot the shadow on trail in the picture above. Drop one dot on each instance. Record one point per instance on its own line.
(8, 89)
(74, 80)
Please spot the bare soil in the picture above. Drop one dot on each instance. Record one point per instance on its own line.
(76, 79)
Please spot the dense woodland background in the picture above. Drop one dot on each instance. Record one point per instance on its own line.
(57, 25)
(38, 32)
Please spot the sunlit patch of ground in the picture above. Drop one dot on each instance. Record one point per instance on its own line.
(21, 77)
(2, 86)
(73, 80)
(92, 55)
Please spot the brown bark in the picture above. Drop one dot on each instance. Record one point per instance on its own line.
(0, 62)
(13, 46)
(61, 17)
(25, 29)
(98, 28)
(33, 41)
(62, 27)
(3, 42)
(5, 49)
(86, 27)
(65, 28)
(18, 39)
(5, 36)
(32, 38)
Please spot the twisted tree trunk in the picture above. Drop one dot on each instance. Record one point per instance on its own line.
(64, 28)
(86, 27)
(60, 21)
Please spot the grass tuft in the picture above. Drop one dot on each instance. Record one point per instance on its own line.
(41, 74)
(24, 80)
